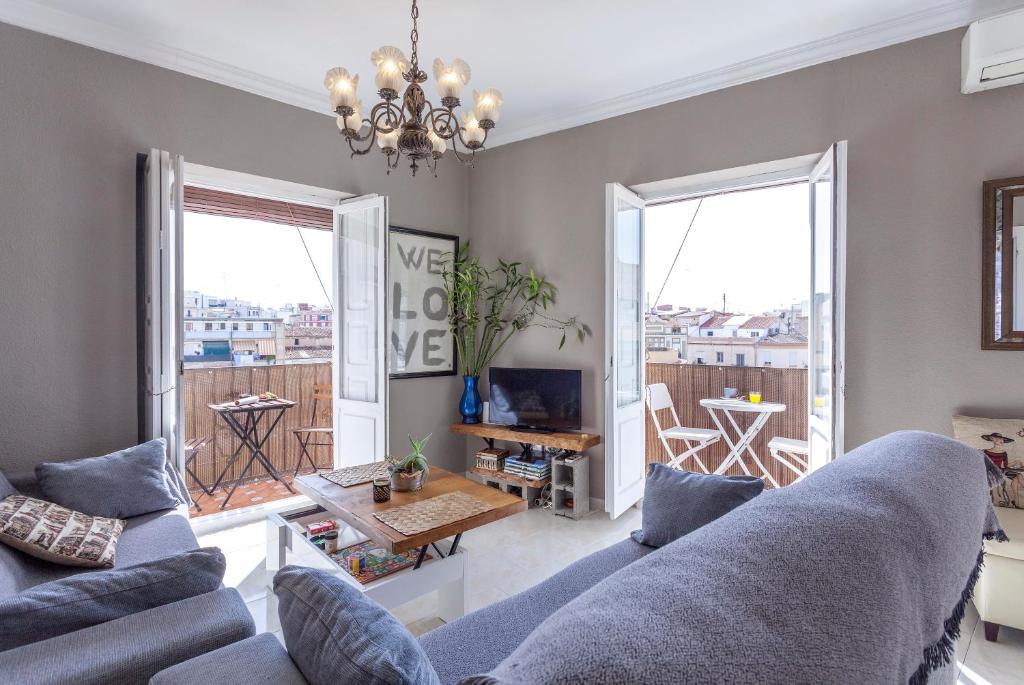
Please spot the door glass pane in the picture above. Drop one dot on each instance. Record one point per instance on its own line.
(357, 282)
(822, 293)
(628, 303)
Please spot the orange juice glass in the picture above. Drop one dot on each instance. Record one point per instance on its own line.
(755, 397)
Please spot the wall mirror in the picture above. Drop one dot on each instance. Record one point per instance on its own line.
(1002, 299)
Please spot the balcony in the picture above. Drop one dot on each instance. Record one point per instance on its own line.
(204, 386)
(690, 383)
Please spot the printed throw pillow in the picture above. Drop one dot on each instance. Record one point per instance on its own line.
(1002, 441)
(53, 533)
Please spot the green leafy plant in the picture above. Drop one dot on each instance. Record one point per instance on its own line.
(487, 306)
(412, 462)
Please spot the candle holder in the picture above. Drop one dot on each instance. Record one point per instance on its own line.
(381, 490)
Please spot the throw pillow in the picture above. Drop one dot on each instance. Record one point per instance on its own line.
(122, 484)
(54, 533)
(6, 489)
(88, 599)
(679, 502)
(336, 634)
(1002, 441)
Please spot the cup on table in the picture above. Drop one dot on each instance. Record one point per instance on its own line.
(331, 542)
(730, 392)
(381, 489)
(755, 396)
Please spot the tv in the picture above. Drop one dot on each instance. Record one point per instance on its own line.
(545, 400)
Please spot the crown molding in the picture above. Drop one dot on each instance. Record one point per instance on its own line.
(950, 15)
(36, 17)
(944, 17)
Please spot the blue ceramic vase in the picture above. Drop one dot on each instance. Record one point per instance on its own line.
(471, 406)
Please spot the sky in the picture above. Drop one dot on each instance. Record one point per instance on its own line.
(753, 246)
(260, 262)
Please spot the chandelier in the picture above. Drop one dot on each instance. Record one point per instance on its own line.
(412, 127)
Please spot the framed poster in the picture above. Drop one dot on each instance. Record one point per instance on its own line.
(420, 343)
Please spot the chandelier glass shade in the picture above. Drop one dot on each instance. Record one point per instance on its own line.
(403, 121)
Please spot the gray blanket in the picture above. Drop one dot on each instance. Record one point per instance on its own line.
(858, 574)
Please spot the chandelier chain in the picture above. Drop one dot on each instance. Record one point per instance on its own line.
(414, 36)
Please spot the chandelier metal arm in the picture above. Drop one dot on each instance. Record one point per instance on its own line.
(442, 121)
(466, 159)
(371, 136)
(394, 117)
(471, 148)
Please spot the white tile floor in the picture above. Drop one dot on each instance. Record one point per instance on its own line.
(516, 553)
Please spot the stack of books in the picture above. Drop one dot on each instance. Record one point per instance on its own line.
(531, 469)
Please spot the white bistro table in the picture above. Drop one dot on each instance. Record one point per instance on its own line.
(739, 440)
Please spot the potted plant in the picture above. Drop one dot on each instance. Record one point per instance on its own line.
(486, 307)
(408, 473)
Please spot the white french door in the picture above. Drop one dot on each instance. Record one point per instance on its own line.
(359, 363)
(825, 377)
(161, 302)
(624, 350)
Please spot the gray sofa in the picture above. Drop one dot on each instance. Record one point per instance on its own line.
(133, 648)
(860, 572)
(472, 644)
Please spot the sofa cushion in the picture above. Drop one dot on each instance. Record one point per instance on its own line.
(336, 634)
(57, 534)
(88, 599)
(132, 649)
(256, 660)
(680, 502)
(153, 536)
(126, 483)
(6, 489)
(479, 641)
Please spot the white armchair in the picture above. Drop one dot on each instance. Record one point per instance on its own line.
(998, 595)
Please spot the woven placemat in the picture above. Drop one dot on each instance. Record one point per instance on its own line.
(354, 475)
(418, 517)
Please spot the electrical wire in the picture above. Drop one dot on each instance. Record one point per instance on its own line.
(678, 252)
(309, 255)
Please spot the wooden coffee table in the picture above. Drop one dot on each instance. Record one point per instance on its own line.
(355, 506)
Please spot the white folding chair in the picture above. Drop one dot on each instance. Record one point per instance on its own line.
(695, 439)
(795, 451)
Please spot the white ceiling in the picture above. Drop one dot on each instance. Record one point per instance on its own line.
(559, 63)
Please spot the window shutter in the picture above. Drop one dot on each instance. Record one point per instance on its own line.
(222, 203)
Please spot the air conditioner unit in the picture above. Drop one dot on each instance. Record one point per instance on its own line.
(993, 53)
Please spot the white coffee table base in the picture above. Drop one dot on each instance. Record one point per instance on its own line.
(287, 545)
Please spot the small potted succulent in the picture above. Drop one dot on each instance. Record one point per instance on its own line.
(408, 473)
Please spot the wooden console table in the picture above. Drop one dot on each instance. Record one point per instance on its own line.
(489, 432)
(570, 443)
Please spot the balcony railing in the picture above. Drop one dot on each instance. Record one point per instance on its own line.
(690, 383)
(204, 386)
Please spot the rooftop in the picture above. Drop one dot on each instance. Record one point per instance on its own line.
(760, 322)
(784, 339)
(307, 332)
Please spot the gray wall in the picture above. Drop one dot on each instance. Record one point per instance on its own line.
(72, 120)
(918, 153)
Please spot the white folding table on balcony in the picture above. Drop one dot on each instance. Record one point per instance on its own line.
(739, 440)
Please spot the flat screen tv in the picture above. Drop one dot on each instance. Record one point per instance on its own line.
(535, 399)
